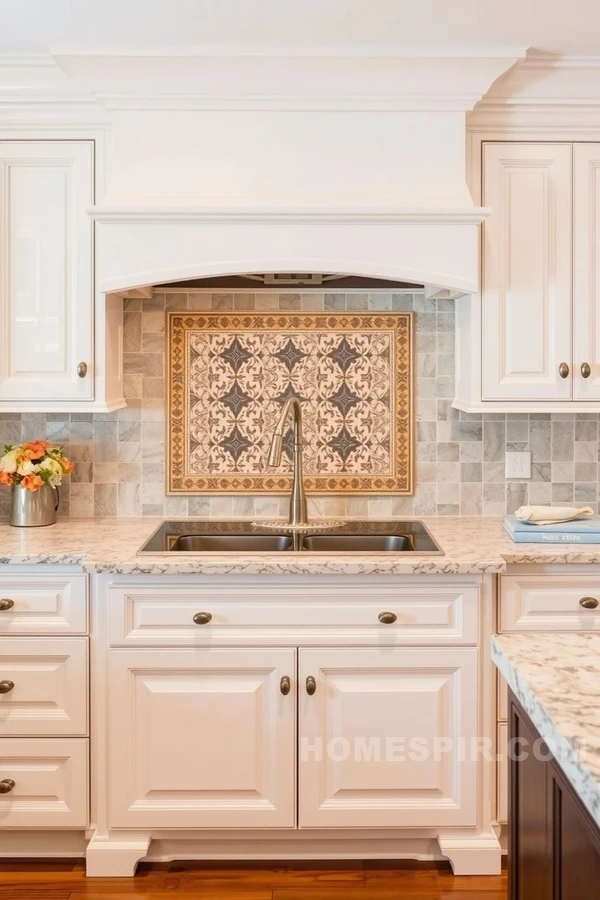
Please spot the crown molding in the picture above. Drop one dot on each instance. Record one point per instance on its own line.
(282, 51)
(31, 60)
(211, 216)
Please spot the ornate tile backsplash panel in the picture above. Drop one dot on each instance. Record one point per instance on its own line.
(231, 373)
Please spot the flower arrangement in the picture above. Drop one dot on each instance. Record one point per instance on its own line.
(34, 464)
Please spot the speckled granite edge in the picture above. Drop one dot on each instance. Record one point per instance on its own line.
(582, 781)
(265, 565)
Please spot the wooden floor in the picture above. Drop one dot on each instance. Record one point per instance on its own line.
(65, 880)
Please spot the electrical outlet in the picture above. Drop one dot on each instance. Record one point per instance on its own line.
(517, 464)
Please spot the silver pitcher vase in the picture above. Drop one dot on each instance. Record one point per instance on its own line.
(30, 509)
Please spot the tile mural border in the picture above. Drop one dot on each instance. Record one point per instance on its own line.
(401, 324)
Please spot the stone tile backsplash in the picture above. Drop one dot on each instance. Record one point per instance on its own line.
(120, 456)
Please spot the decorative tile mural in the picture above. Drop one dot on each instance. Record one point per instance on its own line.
(230, 374)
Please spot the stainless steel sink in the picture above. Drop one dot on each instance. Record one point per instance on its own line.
(231, 543)
(193, 536)
(357, 543)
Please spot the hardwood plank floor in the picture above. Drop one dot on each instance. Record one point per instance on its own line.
(65, 880)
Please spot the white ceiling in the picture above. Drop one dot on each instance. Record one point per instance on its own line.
(553, 26)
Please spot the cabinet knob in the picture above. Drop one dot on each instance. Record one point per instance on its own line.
(563, 370)
(387, 618)
(285, 685)
(586, 370)
(202, 618)
(588, 602)
(6, 687)
(6, 604)
(82, 369)
(311, 686)
(6, 786)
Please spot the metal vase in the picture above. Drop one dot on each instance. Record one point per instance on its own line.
(30, 509)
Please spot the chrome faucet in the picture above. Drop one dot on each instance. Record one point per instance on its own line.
(298, 514)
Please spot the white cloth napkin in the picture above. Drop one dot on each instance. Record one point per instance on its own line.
(551, 515)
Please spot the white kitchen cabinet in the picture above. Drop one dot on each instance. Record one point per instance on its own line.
(531, 341)
(526, 271)
(382, 738)
(43, 686)
(202, 738)
(586, 272)
(48, 782)
(46, 273)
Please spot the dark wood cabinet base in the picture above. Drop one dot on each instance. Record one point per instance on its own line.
(554, 844)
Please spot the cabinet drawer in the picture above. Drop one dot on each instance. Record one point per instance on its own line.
(548, 603)
(502, 774)
(46, 604)
(164, 616)
(51, 783)
(49, 693)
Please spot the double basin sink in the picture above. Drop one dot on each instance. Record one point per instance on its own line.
(240, 537)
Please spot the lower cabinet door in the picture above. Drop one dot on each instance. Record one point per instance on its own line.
(386, 736)
(202, 738)
(47, 782)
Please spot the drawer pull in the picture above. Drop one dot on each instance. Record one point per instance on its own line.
(586, 370)
(6, 786)
(202, 618)
(588, 602)
(311, 686)
(285, 685)
(563, 370)
(6, 687)
(387, 618)
(6, 604)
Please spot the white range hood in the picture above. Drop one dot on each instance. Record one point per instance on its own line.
(224, 164)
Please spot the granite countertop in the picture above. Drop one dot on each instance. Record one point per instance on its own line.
(471, 546)
(555, 678)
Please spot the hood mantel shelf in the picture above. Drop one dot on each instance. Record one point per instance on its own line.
(352, 215)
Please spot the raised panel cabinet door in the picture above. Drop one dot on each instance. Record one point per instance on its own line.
(202, 738)
(526, 272)
(586, 272)
(575, 842)
(46, 273)
(529, 860)
(386, 737)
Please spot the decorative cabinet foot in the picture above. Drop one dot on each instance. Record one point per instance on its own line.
(471, 854)
(115, 856)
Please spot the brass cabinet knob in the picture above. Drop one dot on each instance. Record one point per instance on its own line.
(311, 685)
(6, 604)
(6, 687)
(588, 602)
(387, 618)
(82, 369)
(285, 685)
(586, 370)
(202, 618)
(563, 370)
(6, 786)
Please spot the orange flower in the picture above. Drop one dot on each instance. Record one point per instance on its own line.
(32, 483)
(67, 465)
(5, 478)
(37, 448)
(26, 454)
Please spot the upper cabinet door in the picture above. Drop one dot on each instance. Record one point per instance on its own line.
(46, 275)
(586, 273)
(526, 274)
